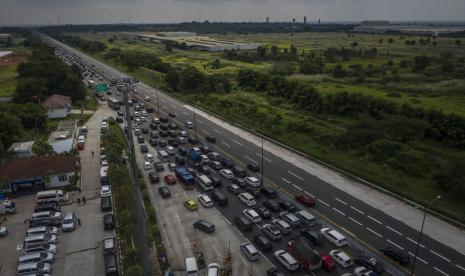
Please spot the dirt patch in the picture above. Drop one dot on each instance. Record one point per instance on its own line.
(14, 58)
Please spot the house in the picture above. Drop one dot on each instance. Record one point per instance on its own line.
(28, 175)
(58, 106)
(22, 149)
(63, 139)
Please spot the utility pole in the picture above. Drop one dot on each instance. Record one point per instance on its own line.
(195, 124)
(262, 161)
(156, 98)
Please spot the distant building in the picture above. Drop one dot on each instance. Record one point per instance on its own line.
(4, 37)
(26, 175)
(22, 149)
(58, 106)
(375, 23)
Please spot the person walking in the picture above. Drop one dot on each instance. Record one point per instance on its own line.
(84, 199)
(79, 221)
(79, 201)
(92, 153)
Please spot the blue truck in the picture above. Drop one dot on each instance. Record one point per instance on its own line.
(185, 177)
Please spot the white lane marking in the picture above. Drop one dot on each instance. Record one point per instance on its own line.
(237, 142)
(215, 130)
(439, 255)
(285, 180)
(415, 242)
(418, 258)
(297, 187)
(457, 266)
(359, 223)
(375, 220)
(394, 230)
(206, 132)
(242, 258)
(226, 144)
(357, 210)
(440, 271)
(374, 232)
(250, 159)
(339, 211)
(164, 106)
(295, 175)
(185, 113)
(309, 194)
(179, 220)
(395, 244)
(200, 121)
(323, 202)
(227, 220)
(238, 231)
(263, 157)
(343, 202)
(217, 252)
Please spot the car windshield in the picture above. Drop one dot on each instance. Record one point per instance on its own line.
(68, 221)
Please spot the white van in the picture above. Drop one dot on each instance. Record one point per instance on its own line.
(42, 238)
(46, 214)
(204, 182)
(247, 199)
(42, 230)
(252, 181)
(163, 155)
(52, 196)
(334, 236)
(191, 267)
(205, 159)
(306, 218)
(170, 150)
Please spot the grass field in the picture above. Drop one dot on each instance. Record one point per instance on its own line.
(8, 76)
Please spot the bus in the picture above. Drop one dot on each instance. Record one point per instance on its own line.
(52, 196)
(186, 178)
(114, 103)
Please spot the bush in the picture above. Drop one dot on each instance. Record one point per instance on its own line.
(134, 270)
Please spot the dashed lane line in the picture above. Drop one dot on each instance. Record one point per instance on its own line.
(462, 268)
(200, 121)
(237, 142)
(309, 194)
(216, 250)
(215, 130)
(206, 132)
(341, 201)
(394, 230)
(297, 187)
(395, 244)
(250, 159)
(415, 242)
(372, 218)
(323, 202)
(263, 157)
(224, 143)
(338, 211)
(418, 258)
(285, 180)
(374, 232)
(359, 223)
(440, 271)
(295, 175)
(357, 210)
(439, 255)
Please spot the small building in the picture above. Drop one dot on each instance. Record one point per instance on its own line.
(5, 37)
(62, 140)
(29, 175)
(58, 106)
(22, 149)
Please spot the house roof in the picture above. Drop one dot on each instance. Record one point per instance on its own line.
(25, 168)
(21, 146)
(56, 101)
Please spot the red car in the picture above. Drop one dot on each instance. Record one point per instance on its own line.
(306, 200)
(328, 263)
(170, 179)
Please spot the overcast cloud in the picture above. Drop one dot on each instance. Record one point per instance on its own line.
(13, 12)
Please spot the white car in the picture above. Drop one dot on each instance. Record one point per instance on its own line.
(143, 119)
(148, 157)
(105, 191)
(183, 134)
(205, 200)
(213, 269)
(156, 120)
(252, 181)
(104, 163)
(227, 173)
(341, 258)
(147, 98)
(172, 166)
(252, 215)
(170, 150)
(286, 260)
(81, 139)
(144, 113)
(136, 114)
(189, 125)
(147, 166)
(3, 231)
(363, 271)
(334, 237)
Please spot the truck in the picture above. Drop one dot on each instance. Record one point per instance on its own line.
(7, 207)
(185, 177)
(193, 157)
(308, 258)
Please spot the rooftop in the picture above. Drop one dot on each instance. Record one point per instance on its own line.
(56, 101)
(21, 146)
(67, 125)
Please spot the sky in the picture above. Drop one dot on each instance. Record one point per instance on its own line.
(44, 12)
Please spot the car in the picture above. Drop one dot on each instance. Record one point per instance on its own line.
(227, 163)
(215, 165)
(147, 165)
(119, 119)
(179, 160)
(108, 222)
(262, 242)
(290, 218)
(148, 157)
(205, 200)
(140, 139)
(210, 139)
(44, 222)
(282, 225)
(204, 226)
(105, 190)
(253, 191)
(233, 188)
(253, 167)
(39, 268)
(163, 133)
(226, 173)
(105, 203)
(189, 125)
(333, 236)
(173, 134)
(172, 166)
(287, 205)
(272, 205)
(163, 120)
(191, 204)
(287, 260)
(182, 151)
(159, 166)
(213, 269)
(363, 271)
(170, 179)
(162, 143)
(272, 232)
(147, 98)
(269, 192)
(153, 127)
(192, 172)
(341, 258)
(42, 207)
(69, 222)
(153, 142)
(109, 245)
(263, 212)
(316, 238)
(397, 255)
(154, 178)
(164, 191)
(170, 150)
(369, 262)
(249, 251)
(239, 181)
(193, 141)
(216, 181)
(252, 215)
(39, 247)
(172, 114)
(144, 148)
(306, 200)
(183, 133)
(252, 181)
(172, 126)
(164, 127)
(3, 231)
(205, 149)
(274, 272)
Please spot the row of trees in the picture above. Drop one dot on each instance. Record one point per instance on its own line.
(133, 59)
(191, 80)
(91, 46)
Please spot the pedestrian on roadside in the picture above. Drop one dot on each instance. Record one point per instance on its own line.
(84, 199)
(79, 189)
(79, 221)
(92, 153)
(79, 201)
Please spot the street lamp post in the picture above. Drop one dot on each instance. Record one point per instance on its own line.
(195, 123)
(262, 161)
(156, 98)
(438, 197)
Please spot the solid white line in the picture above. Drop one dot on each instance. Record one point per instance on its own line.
(339, 211)
(309, 194)
(375, 220)
(343, 202)
(245, 262)
(215, 130)
(217, 252)
(226, 144)
(393, 230)
(263, 157)
(297, 187)
(374, 232)
(250, 159)
(440, 271)
(285, 180)
(355, 221)
(238, 231)
(439, 255)
(357, 210)
(206, 132)
(295, 175)
(457, 266)
(237, 142)
(421, 245)
(323, 202)
(227, 220)
(395, 244)
(418, 258)
(178, 218)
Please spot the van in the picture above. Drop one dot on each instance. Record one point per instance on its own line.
(163, 155)
(47, 207)
(252, 182)
(41, 238)
(204, 182)
(111, 265)
(46, 214)
(247, 199)
(52, 196)
(334, 236)
(214, 156)
(191, 266)
(269, 192)
(205, 159)
(42, 230)
(306, 218)
(36, 257)
(219, 198)
(243, 223)
(250, 252)
(239, 172)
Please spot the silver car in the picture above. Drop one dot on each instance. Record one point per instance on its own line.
(69, 222)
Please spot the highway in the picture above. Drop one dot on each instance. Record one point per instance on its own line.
(359, 221)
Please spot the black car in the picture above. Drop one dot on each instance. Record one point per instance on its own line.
(263, 212)
(268, 192)
(204, 226)
(192, 172)
(163, 133)
(144, 148)
(193, 141)
(108, 222)
(210, 139)
(274, 272)
(153, 142)
(43, 207)
(253, 191)
(239, 171)
(182, 151)
(105, 203)
(228, 164)
(140, 139)
(287, 205)
(216, 181)
(159, 166)
(164, 127)
(153, 134)
(179, 160)
(253, 167)
(154, 178)
(173, 143)
(162, 143)
(243, 223)
(149, 110)
(163, 119)
(205, 149)
(120, 113)
(220, 198)
(262, 242)
(153, 126)
(172, 134)
(397, 255)
(369, 262)
(272, 205)
(172, 126)
(144, 130)
(164, 191)
(316, 238)
(119, 119)
(172, 114)
(239, 181)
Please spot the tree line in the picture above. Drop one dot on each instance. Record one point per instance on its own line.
(91, 46)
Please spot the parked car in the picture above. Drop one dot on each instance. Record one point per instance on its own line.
(233, 188)
(263, 212)
(204, 226)
(253, 167)
(159, 166)
(363, 271)
(69, 222)
(287, 260)
(108, 221)
(316, 238)
(170, 179)
(262, 242)
(272, 205)
(269, 192)
(370, 263)
(205, 200)
(341, 258)
(154, 178)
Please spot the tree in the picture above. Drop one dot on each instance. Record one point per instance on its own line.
(380, 41)
(458, 42)
(390, 40)
(172, 79)
(31, 88)
(293, 50)
(191, 79)
(420, 63)
(10, 130)
(339, 71)
(169, 47)
(354, 44)
(41, 148)
(215, 64)
(451, 176)
(274, 52)
(282, 68)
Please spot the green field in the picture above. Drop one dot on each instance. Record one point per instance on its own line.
(8, 76)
